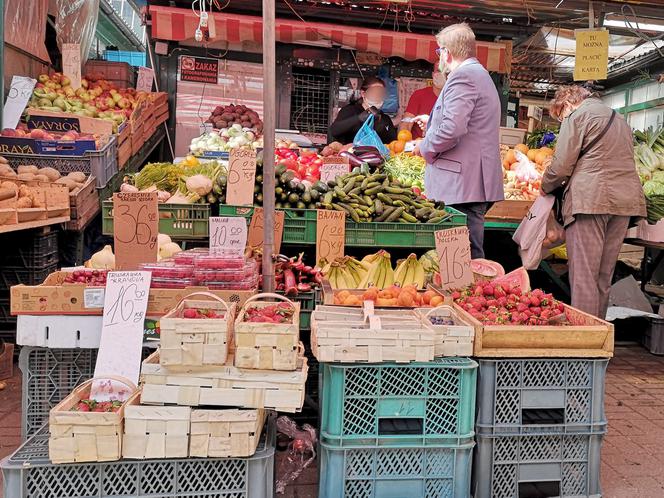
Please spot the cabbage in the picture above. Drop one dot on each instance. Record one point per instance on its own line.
(658, 177)
(652, 188)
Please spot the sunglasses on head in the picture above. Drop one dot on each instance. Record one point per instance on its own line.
(439, 51)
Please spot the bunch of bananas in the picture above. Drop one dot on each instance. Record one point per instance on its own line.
(410, 272)
(345, 273)
(380, 273)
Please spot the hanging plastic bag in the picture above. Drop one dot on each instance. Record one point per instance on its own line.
(366, 135)
(525, 171)
(301, 451)
(532, 232)
(76, 22)
(25, 28)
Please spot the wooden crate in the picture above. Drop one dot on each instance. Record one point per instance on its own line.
(509, 210)
(156, 432)
(225, 433)
(349, 335)
(223, 386)
(585, 337)
(450, 340)
(85, 436)
(84, 205)
(267, 346)
(196, 342)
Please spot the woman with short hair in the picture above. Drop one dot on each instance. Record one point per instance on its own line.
(593, 169)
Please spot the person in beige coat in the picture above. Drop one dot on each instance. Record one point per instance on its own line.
(593, 166)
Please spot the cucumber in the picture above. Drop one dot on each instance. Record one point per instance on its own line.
(373, 190)
(388, 210)
(437, 219)
(378, 206)
(395, 215)
(409, 218)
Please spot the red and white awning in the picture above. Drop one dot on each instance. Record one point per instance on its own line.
(170, 23)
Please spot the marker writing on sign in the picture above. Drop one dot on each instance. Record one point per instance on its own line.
(138, 230)
(122, 310)
(221, 234)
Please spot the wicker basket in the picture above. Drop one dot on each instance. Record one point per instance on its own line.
(267, 346)
(225, 433)
(450, 340)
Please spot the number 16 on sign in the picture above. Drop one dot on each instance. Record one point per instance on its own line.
(453, 248)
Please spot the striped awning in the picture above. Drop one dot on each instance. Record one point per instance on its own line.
(170, 23)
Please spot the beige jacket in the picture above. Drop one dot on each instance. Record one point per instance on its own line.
(604, 180)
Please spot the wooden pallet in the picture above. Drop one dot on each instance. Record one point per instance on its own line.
(223, 386)
(450, 340)
(156, 432)
(225, 433)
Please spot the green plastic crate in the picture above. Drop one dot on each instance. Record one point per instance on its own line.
(181, 221)
(308, 302)
(299, 224)
(376, 234)
(399, 405)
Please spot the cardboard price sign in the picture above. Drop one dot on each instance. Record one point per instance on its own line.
(332, 167)
(71, 63)
(241, 177)
(125, 304)
(144, 79)
(591, 61)
(227, 234)
(256, 234)
(135, 229)
(18, 96)
(330, 234)
(453, 248)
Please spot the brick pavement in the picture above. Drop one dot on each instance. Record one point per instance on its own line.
(632, 454)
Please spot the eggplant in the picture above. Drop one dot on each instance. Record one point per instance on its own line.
(353, 160)
(361, 149)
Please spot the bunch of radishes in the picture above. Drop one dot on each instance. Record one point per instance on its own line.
(496, 304)
(91, 278)
(292, 276)
(201, 313)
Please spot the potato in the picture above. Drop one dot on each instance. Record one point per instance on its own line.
(8, 173)
(42, 178)
(26, 177)
(71, 184)
(23, 191)
(27, 169)
(52, 173)
(3, 160)
(9, 185)
(77, 176)
(24, 202)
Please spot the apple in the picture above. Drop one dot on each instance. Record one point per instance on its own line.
(49, 136)
(21, 133)
(65, 81)
(84, 83)
(69, 91)
(50, 84)
(8, 132)
(110, 102)
(44, 102)
(80, 92)
(43, 78)
(124, 103)
(56, 77)
(40, 85)
(67, 136)
(37, 134)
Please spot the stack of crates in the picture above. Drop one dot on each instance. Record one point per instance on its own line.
(540, 427)
(27, 257)
(390, 429)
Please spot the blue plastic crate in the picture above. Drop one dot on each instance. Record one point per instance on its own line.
(394, 404)
(131, 58)
(380, 472)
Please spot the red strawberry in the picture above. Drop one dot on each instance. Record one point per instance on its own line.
(525, 300)
(456, 295)
(538, 293)
(516, 291)
(502, 301)
(521, 307)
(82, 407)
(534, 301)
(488, 290)
(536, 310)
(189, 313)
(492, 302)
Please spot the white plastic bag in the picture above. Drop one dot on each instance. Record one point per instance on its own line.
(538, 226)
(525, 171)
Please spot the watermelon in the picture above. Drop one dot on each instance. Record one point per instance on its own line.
(518, 277)
(486, 268)
(429, 261)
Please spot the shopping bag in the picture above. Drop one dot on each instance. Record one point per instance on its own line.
(366, 135)
(532, 232)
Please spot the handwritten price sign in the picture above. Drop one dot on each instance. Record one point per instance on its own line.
(71, 63)
(227, 234)
(144, 79)
(241, 177)
(453, 248)
(135, 227)
(125, 304)
(19, 94)
(330, 234)
(332, 167)
(256, 229)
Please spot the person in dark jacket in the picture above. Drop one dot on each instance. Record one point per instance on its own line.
(351, 117)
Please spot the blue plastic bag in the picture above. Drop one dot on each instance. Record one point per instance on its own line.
(366, 135)
(391, 101)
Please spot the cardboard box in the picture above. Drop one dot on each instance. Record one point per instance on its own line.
(22, 145)
(509, 210)
(56, 297)
(511, 136)
(64, 121)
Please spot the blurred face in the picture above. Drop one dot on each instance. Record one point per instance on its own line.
(444, 59)
(374, 96)
(438, 79)
(566, 111)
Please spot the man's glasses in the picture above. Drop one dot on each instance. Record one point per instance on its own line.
(439, 51)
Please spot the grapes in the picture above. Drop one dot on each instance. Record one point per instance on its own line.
(441, 320)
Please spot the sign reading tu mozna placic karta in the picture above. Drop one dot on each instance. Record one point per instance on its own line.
(592, 54)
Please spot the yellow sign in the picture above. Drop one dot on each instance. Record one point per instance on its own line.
(592, 54)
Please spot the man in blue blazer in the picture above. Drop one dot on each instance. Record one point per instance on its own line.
(461, 144)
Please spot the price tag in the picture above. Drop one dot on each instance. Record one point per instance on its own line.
(374, 322)
(205, 128)
(368, 309)
(71, 63)
(125, 304)
(241, 177)
(255, 238)
(330, 234)
(144, 79)
(332, 167)
(453, 248)
(19, 94)
(227, 233)
(135, 227)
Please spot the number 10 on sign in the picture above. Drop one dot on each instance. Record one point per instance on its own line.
(453, 248)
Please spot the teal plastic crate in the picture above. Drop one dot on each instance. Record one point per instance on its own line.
(380, 472)
(180, 221)
(394, 404)
(299, 224)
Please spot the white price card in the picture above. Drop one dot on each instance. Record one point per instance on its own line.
(71, 63)
(125, 304)
(453, 248)
(205, 128)
(18, 96)
(144, 79)
(332, 167)
(227, 234)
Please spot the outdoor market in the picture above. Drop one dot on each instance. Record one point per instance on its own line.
(332, 248)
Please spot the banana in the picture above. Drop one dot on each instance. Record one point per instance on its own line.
(400, 272)
(388, 278)
(420, 277)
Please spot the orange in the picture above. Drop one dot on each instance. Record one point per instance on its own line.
(405, 135)
(541, 157)
(547, 150)
(426, 297)
(510, 157)
(398, 146)
(343, 294)
(410, 288)
(532, 154)
(405, 299)
(436, 301)
(370, 294)
(523, 148)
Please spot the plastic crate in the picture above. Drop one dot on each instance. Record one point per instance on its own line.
(117, 72)
(48, 376)
(652, 338)
(131, 58)
(103, 164)
(30, 250)
(308, 302)
(10, 276)
(299, 224)
(379, 472)
(419, 403)
(565, 465)
(540, 395)
(376, 234)
(185, 221)
(29, 474)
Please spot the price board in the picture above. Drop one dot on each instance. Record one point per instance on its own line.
(144, 79)
(71, 63)
(241, 177)
(227, 234)
(332, 167)
(121, 344)
(256, 235)
(330, 234)
(453, 248)
(18, 96)
(135, 229)
(205, 128)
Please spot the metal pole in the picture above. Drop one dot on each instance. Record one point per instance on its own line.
(269, 122)
(591, 15)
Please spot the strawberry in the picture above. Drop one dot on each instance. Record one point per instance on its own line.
(488, 290)
(189, 313)
(536, 310)
(521, 307)
(456, 295)
(498, 291)
(82, 407)
(525, 300)
(534, 301)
